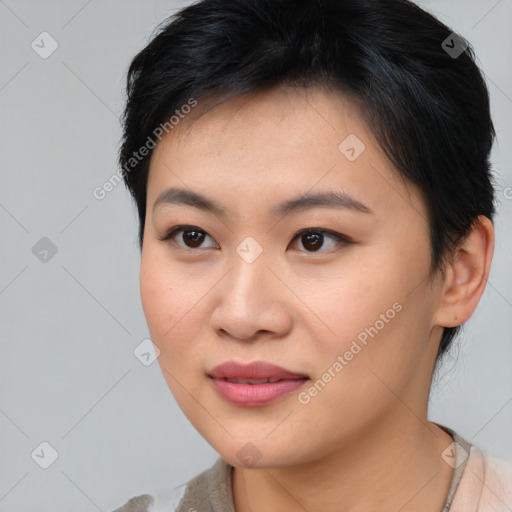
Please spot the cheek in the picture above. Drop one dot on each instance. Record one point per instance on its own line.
(170, 301)
(172, 307)
(159, 300)
(376, 314)
(351, 299)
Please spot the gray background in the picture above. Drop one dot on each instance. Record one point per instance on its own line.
(68, 375)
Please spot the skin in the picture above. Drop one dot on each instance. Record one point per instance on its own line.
(364, 441)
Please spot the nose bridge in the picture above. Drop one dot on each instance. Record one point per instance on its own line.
(249, 297)
(249, 272)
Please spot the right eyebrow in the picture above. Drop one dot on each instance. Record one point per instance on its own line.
(175, 195)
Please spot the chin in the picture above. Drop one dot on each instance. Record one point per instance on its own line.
(257, 452)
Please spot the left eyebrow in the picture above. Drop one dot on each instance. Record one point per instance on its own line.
(329, 199)
(322, 199)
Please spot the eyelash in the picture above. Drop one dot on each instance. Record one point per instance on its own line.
(341, 240)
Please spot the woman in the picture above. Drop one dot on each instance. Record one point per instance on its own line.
(315, 204)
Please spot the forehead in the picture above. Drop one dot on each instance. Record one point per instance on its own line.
(301, 117)
(277, 144)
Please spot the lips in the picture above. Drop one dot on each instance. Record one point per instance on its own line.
(255, 384)
(252, 381)
(257, 370)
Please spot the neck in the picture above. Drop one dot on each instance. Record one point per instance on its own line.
(384, 468)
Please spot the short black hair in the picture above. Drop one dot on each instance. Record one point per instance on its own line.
(415, 82)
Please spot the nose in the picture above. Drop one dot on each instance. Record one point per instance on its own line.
(252, 303)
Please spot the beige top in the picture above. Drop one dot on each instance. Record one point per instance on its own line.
(479, 483)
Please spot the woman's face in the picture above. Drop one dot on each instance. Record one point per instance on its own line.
(347, 309)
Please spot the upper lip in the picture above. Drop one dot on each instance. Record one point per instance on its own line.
(254, 370)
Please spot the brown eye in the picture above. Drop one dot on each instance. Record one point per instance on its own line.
(312, 241)
(192, 238)
(189, 237)
(320, 240)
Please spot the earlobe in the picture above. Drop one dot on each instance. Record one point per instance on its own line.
(466, 275)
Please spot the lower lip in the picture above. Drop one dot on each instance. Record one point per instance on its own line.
(253, 395)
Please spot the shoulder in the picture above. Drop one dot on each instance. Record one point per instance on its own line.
(165, 501)
(485, 486)
(211, 488)
(142, 503)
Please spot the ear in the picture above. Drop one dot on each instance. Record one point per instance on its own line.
(466, 275)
